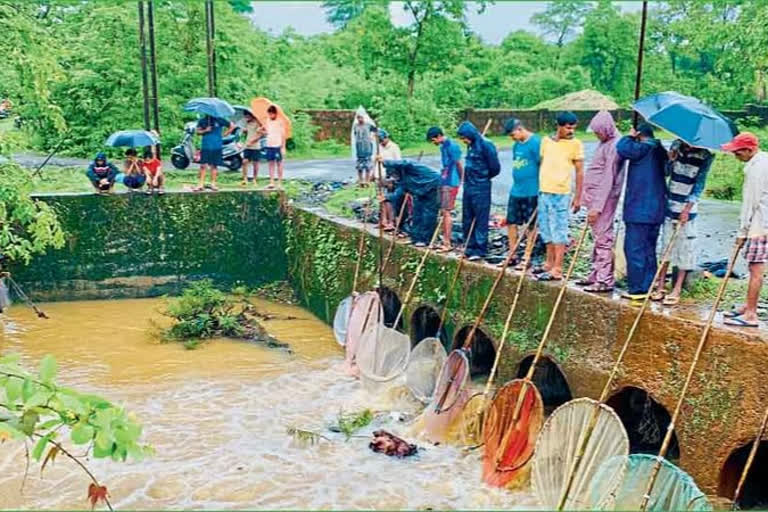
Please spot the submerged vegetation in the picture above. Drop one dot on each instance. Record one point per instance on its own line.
(203, 312)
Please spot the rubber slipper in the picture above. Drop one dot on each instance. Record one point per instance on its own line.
(633, 296)
(546, 276)
(740, 322)
(538, 270)
(657, 296)
(598, 288)
(733, 313)
(584, 282)
(671, 301)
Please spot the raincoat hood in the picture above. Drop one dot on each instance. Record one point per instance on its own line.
(366, 120)
(100, 156)
(602, 124)
(468, 130)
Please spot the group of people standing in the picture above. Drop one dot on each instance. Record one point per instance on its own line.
(662, 188)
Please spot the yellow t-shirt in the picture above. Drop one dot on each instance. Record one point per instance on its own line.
(557, 159)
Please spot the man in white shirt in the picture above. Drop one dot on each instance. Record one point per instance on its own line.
(754, 222)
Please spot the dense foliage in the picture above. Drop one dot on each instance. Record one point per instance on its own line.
(74, 76)
(27, 226)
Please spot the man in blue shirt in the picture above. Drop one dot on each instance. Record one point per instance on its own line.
(211, 148)
(523, 196)
(451, 177)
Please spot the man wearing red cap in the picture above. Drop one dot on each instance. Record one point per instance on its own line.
(754, 222)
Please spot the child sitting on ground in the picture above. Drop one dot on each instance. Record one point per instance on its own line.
(134, 171)
(153, 170)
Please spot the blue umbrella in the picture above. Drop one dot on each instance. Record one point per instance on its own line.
(687, 118)
(210, 107)
(132, 139)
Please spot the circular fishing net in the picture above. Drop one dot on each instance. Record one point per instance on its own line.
(509, 444)
(620, 484)
(472, 420)
(451, 394)
(559, 442)
(366, 311)
(382, 356)
(427, 359)
(341, 320)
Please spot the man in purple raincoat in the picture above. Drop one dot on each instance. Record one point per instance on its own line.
(602, 188)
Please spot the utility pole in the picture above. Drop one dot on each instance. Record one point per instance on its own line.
(153, 66)
(640, 52)
(143, 58)
(209, 44)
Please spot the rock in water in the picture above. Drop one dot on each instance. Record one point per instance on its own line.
(390, 444)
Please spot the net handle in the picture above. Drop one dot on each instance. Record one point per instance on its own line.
(406, 198)
(542, 343)
(381, 221)
(532, 234)
(440, 405)
(684, 391)
(471, 334)
(416, 274)
(361, 245)
(40, 313)
(455, 278)
(614, 371)
(750, 460)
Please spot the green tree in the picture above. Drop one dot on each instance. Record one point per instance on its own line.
(340, 13)
(562, 20)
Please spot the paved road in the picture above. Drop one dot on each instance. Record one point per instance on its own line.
(716, 225)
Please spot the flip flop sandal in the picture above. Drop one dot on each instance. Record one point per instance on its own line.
(740, 322)
(443, 249)
(733, 313)
(598, 288)
(520, 267)
(671, 301)
(633, 296)
(584, 282)
(657, 296)
(538, 270)
(546, 276)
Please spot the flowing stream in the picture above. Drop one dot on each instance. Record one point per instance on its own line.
(217, 418)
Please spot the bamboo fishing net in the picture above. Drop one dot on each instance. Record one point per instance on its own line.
(449, 398)
(341, 320)
(620, 484)
(366, 311)
(559, 443)
(423, 370)
(382, 356)
(509, 444)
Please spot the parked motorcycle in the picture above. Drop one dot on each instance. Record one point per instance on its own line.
(186, 152)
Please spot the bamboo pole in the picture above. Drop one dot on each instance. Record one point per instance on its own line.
(209, 49)
(540, 349)
(684, 391)
(213, 46)
(381, 221)
(750, 460)
(143, 61)
(614, 372)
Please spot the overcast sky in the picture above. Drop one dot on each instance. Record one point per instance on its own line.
(498, 20)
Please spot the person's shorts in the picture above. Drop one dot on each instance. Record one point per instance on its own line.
(134, 181)
(756, 249)
(211, 157)
(273, 154)
(553, 217)
(364, 164)
(448, 197)
(520, 209)
(252, 155)
(683, 253)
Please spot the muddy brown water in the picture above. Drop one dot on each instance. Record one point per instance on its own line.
(217, 419)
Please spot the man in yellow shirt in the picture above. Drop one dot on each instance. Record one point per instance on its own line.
(560, 155)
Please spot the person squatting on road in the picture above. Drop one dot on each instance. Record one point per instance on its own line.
(423, 184)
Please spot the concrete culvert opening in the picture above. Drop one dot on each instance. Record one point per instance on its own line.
(754, 494)
(482, 353)
(646, 421)
(390, 302)
(549, 380)
(424, 324)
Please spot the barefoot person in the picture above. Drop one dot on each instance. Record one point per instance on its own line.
(687, 169)
(451, 175)
(753, 222)
(524, 194)
(602, 188)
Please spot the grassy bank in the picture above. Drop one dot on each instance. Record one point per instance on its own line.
(726, 176)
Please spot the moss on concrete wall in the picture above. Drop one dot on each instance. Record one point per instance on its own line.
(135, 245)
